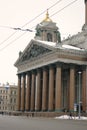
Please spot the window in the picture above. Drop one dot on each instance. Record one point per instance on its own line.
(49, 37)
(11, 92)
(14, 100)
(6, 97)
(11, 100)
(15, 92)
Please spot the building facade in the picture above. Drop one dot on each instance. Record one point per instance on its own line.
(8, 98)
(51, 78)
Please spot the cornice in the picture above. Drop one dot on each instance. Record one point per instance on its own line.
(63, 53)
(53, 57)
(72, 52)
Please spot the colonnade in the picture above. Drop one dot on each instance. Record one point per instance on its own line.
(41, 89)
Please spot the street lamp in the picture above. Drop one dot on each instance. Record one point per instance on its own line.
(79, 92)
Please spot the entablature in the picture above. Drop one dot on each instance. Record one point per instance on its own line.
(52, 57)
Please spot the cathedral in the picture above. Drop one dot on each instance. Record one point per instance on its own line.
(52, 78)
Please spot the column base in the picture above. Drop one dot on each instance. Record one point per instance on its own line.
(71, 110)
(32, 111)
(50, 110)
(22, 110)
(37, 110)
(44, 110)
(27, 110)
(58, 110)
(18, 110)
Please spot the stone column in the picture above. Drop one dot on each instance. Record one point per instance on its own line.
(28, 96)
(72, 89)
(44, 35)
(51, 89)
(84, 90)
(33, 92)
(38, 94)
(44, 90)
(58, 94)
(19, 94)
(54, 37)
(23, 93)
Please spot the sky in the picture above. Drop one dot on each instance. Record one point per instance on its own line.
(69, 15)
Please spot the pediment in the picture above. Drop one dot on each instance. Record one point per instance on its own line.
(33, 51)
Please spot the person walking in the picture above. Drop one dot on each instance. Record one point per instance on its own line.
(70, 115)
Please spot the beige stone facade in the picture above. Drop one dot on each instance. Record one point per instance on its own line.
(8, 98)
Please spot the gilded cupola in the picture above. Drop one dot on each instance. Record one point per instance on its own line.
(47, 18)
(47, 30)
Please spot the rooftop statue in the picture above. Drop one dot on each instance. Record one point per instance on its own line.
(58, 36)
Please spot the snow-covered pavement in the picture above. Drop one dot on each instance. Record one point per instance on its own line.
(73, 117)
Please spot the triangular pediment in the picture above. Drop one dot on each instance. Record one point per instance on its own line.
(33, 51)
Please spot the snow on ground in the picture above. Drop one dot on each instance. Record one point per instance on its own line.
(68, 117)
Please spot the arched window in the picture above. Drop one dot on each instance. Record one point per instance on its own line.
(49, 37)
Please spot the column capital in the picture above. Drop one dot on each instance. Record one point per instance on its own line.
(59, 64)
(72, 66)
(38, 70)
(19, 75)
(28, 73)
(23, 74)
(83, 67)
(45, 68)
(33, 71)
(51, 66)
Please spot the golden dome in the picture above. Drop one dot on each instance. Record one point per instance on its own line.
(47, 19)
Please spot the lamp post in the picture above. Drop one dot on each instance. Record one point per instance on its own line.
(79, 92)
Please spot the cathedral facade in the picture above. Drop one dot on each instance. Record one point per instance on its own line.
(51, 78)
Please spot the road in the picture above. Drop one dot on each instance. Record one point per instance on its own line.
(33, 123)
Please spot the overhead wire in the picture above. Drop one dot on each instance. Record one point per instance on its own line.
(64, 7)
(36, 17)
(20, 29)
(42, 13)
(12, 41)
(27, 23)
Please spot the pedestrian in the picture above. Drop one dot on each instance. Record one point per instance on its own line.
(2, 113)
(70, 115)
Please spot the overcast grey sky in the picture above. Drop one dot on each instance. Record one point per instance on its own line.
(17, 13)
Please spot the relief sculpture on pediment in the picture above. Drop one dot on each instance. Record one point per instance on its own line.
(35, 51)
